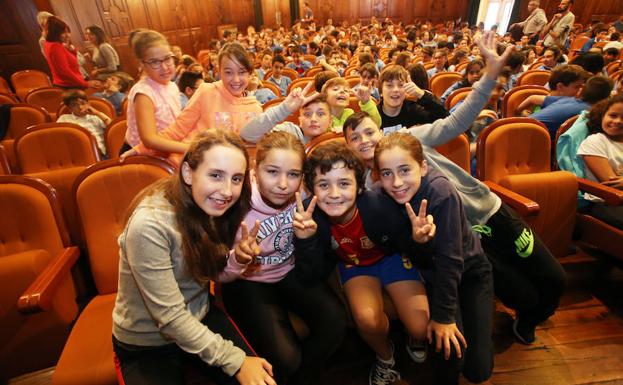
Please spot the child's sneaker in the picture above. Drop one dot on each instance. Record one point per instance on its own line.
(382, 372)
(416, 350)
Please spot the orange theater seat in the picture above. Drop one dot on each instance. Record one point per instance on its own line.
(301, 83)
(514, 156)
(57, 153)
(4, 87)
(49, 98)
(22, 116)
(273, 87)
(324, 138)
(534, 77)
(28, 80)
(5, 167)
(37, 304)
(441, 81)
(456, 96)
(457, 150)
(293, 117)
(288, 72)
(6, 98)
(115, 136)
(313, 71)
(514, 97)
(103, 193)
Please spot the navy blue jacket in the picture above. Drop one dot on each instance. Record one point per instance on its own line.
(454, 247)
(382, 222)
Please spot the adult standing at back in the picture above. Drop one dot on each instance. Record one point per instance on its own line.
(557, 30)
(534, 23)
(104, 56)
(62, 58)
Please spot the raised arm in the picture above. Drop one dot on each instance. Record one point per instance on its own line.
(444, 130)
(266, 121)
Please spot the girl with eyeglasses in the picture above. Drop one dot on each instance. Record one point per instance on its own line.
(154, 101)
(224, 105)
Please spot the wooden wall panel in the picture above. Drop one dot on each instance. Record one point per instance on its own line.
(275, 12)
(19, 39)
(398, 10)
(189, 24)
(584, 10)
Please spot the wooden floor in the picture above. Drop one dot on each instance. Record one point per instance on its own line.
(581, 344)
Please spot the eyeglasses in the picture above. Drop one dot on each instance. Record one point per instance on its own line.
(157, 63)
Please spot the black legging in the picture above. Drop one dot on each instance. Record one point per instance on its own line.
(261, 311)
(170, 365)
(474, 318)
(530, 284)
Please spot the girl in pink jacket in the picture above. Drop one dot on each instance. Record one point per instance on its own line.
(266, 289)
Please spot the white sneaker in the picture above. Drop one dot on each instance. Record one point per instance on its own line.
(417, 350)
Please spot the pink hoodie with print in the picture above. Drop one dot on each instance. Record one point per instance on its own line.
(275, 238)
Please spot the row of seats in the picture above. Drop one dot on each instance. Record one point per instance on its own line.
(38, 304)
(51, 99)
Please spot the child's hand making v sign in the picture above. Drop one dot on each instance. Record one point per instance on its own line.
(422, 225)
(303, 223)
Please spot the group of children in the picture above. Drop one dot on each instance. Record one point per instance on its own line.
(382, 207)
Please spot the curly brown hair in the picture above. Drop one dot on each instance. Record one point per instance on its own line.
(597, 112)
(327, 155)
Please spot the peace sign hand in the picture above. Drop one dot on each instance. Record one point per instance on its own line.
(297, 98)
(304, 225)
(247, 249)
(422, 226)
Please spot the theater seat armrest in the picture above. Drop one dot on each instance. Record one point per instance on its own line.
(38, 296)
(612, 196)
(524, 206)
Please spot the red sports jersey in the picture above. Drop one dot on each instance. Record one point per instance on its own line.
(352, 245)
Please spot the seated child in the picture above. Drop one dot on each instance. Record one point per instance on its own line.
(369, 76)
(337, 92)
(115, 91)
(298, 64)
(396, 110)
(361, 231)
(82, 114)
(472, 73)
(602, 152)
(188, 83)
(459, 276)
(265, 64)
(565, 81)
(277, 78)
(254, 88)
(597, 88)
(314, 120)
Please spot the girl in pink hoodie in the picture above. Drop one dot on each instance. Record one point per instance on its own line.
(266, 289)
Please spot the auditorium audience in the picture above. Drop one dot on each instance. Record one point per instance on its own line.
(394, 63)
